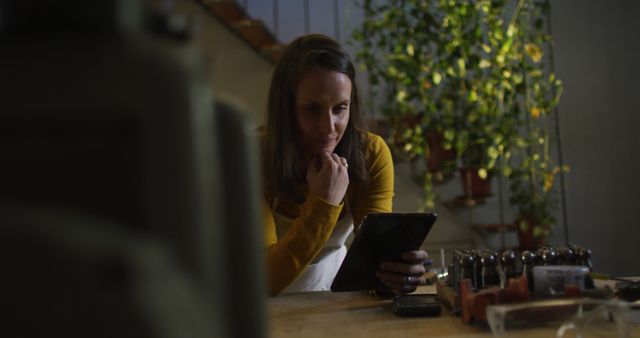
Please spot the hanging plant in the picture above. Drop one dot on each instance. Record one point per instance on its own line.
(472, 73)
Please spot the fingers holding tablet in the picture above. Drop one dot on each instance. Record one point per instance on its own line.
(416, 256)
(404, 276)
(398, 282)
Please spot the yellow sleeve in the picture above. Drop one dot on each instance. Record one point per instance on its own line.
(379, 194)
(288, 256)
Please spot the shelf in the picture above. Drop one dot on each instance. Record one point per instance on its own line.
(227, 11)
(495, 227)
(253, 32)
(466, 201)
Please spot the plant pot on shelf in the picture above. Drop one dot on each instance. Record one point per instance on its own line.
(399, 137)
(530, 234)
(474, 186)
(437, 157)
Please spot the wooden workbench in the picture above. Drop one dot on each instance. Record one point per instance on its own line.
(356, 314)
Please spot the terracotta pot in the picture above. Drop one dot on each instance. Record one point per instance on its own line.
(473, 186)
(437, 154)
(525, 237)
(397, 142)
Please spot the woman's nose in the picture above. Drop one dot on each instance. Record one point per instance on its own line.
(325, 123)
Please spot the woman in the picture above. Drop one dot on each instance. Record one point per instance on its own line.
(323, 172)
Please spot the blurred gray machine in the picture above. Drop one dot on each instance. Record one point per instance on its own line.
(128, 203)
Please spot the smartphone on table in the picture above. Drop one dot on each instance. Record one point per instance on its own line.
(417, 305)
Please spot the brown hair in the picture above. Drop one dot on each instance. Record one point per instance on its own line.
(281, 149)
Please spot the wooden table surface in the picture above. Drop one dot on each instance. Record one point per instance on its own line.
(356, 314)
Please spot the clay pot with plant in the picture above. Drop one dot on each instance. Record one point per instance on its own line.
(439, 156)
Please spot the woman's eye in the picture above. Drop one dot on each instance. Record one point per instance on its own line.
(310, 109)
(340, 109)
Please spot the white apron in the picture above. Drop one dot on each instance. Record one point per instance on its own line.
(319, 274)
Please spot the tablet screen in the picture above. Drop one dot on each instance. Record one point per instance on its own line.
(382, 237)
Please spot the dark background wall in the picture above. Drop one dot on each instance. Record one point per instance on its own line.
(597, 49)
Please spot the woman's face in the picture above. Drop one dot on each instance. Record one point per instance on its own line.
(322, 109)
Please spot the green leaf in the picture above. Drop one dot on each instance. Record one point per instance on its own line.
(506, 46)
(449, 134)
(517, 78)
(534, 52)
(462, 67)
(410, 50)
(506, 85)
(498, 138)
(511, 29)
(506, 171)
(436, 78)
(491, 164)
(538, 231)
(473, 96)
(482, 173)
(535, 73)
(450, 71)
(392, 71)
(497, 34)
(462, 141)
(493, 152)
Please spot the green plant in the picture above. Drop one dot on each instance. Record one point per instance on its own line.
(531, 170)
(472, 72)
(532, 175)
(444, 63)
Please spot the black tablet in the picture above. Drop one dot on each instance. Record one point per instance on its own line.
(382, 237)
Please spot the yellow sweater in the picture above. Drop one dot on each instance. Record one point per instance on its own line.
(315, 218)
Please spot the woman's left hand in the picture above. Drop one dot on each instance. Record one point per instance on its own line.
(403, 277)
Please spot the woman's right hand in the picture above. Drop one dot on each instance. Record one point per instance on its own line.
(330, 179)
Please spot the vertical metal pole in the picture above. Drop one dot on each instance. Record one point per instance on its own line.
(336, 20)
(276, 18)
(372, 104)
(556, 113)
(472, 240)
(468, 196)
(501, 229)
(347, 15)
(306, 17)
